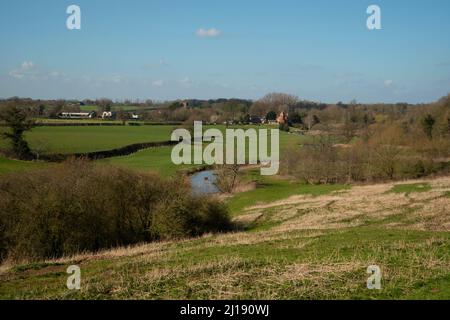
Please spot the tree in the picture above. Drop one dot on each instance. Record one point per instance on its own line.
(175, 105)
(296, 118)
(385, 149)
(57, 108)
(271, 115)
(245, 119)
(104, 104)
(311, 120)
(122, 116)
(227, 177)
(315, 162)
(448, 124)
(17, 122)
(276, 99)
(428, 125)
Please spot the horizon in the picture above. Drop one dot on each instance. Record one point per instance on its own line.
(142, 101)
(171, 50)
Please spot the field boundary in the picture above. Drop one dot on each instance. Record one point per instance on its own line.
(99, 124)
(97, 155)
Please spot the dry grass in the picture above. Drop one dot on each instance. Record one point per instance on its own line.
(425, 211)
(303, 247)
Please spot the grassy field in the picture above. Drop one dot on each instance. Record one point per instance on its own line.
(153, 159)
(87, 139)
(411, 187)
(72, 139)
(269, 189)
(9, 166)
(307, 246)
(159, 159)
(95, 138)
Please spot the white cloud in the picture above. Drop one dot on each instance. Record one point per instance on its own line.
(158, 83)
(26, 65)
(27, 69)
(388, 83)
(116, 79)
(160, 63)
(208, 33)
(186, 82)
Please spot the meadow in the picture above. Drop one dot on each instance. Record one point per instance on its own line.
(10, 165)
(78, 139)
(311, 245)
(96, 138)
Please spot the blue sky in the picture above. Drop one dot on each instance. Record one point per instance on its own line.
(166, 49)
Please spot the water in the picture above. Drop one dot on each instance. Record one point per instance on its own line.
(203, 182)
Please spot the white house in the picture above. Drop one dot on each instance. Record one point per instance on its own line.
(77, 115)
(107, 115)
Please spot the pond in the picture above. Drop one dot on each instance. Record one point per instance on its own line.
(203, 182)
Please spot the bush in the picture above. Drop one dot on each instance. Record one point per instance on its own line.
(283, 127)
(78, 206)
(316, 163)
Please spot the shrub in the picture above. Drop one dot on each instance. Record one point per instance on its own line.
(227, 177)
(316, 163)
(283, 127)
(78, 206)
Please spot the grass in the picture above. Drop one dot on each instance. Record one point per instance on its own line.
(270, 189)
(10, 166)
(410, 188)
(153, 159)
(312, 248)
(87, 139)
(159, 159)
(77, 121)
(96, 138)
(73, 139)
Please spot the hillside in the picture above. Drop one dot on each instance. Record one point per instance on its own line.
(301, 247)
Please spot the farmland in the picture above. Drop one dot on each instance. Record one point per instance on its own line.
(154, 159)
(10, 166)
(80, 139)
(96, 138)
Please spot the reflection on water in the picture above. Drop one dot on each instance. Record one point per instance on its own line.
(203, 182)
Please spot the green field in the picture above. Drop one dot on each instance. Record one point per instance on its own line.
(159, 159)
(96, 138)
(412, 187)
(152, 159)
(79, 139)
(10, 166)
(73, 139)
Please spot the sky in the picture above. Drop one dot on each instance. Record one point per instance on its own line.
(319, 50)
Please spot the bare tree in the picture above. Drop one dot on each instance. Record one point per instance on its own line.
(227, 177)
